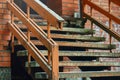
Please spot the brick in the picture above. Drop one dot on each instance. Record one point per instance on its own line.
(5, 37)
(5, 59)
(5, 64)
(5, 53)
(7, 32)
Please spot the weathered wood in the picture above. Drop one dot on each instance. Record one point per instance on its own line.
(88, 74)
(75, 53)
(42, 75)
(65, 30)
(88, 63)
(87, 45)
(79, 63)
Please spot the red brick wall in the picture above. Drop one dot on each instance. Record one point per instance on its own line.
(64, 7)
(55, 5)
(69, 7)
(4, 34)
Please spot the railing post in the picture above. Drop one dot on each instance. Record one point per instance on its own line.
(91, 10)
(110, 23)
(12, 21)
(55, 63)
(28, 36)
(49, 36)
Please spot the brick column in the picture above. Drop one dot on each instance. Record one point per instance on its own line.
(4, 41)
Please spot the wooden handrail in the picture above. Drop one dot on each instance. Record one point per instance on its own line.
(51, 67)
(108, 14)
(41, 35)
(101, 10)
(104, 27)
(117, 2)
(45, 12)
(36, 54)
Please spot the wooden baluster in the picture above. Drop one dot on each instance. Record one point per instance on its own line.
(55, 63)
(28, 11)
(91, 10)
(28, 35)
(110, 23)
(12, 42)
(49, 36)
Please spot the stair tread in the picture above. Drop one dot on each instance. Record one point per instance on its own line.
(79, 63)
(76, 37)
(79, 44)
(74, 53)
(88, 63)
(39, 75)
(71, 30)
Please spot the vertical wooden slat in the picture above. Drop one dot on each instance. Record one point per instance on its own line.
(28, 11)
(12, 21)
(55, 62)
(49, 36)
(28, 36)
(110, 23)
(12, 43)
(49, 57)
(48, 30)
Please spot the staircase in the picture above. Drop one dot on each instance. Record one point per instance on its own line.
(35, 46)
(73, 43)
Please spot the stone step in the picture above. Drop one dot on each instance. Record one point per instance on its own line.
(87, 45)
(64, 30)
(42, 75)
(79, 63)
(75, 53)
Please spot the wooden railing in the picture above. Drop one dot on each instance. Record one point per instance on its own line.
(107, 13)
(50, 65)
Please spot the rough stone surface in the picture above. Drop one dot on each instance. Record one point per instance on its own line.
(5, 74)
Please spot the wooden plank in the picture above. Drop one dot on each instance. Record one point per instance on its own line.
(40, 75)
(88, 74)
(104, 27)
(88, 63)
(87, 45)
(75, 53)
(102, 11)
(36, 54)
(65, 30)
(45, 12)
